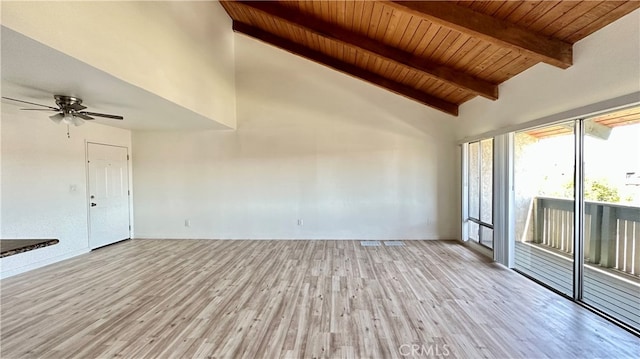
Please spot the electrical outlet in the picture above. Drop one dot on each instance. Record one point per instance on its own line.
(187, 223)
(300, 222)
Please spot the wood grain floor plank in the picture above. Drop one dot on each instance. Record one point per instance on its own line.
(292, 299)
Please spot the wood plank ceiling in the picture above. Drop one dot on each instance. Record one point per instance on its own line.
(439, 53)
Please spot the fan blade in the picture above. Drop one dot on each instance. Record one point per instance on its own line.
(83, 116)
(114, 117)
(38, 109)
(30, 103)
(57, 118)
(76, 106)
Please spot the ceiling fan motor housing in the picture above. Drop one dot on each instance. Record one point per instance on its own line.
(67, 102)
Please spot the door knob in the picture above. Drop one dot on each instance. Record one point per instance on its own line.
(93, 204)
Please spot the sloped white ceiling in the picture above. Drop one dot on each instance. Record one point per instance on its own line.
(34, 72)
(181, 51)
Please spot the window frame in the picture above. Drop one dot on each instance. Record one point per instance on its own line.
(469, 217)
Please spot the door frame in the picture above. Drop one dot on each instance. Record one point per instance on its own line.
(88, 194)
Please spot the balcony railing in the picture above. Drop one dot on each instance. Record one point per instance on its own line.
(611, 235)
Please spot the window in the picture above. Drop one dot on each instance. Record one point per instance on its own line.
(480, 201)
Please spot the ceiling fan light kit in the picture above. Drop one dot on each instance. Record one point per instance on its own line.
(67, 119)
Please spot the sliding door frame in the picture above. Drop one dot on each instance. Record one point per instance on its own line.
(578, 217)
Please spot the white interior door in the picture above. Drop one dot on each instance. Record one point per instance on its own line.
(108, 194)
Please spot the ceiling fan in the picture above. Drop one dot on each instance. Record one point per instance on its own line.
(69, 110)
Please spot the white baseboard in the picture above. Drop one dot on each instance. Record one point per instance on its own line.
(298, 239)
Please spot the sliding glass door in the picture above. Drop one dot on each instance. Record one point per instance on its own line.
(590, 165)
(568, 213)
(611, 275)
(544, 164)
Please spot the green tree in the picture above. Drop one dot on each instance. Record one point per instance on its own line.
(595, 190)
(600, 191)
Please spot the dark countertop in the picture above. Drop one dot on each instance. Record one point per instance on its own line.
(9, 247)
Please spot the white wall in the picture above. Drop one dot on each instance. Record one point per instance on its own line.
(181, 51)
(349, 159)
(39, 166)
(606, 66)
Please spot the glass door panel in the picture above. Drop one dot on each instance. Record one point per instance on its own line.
(611, 274)
(474, 180)
(544, 205)
(486, 173)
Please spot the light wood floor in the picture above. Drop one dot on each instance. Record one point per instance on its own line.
(306, 299)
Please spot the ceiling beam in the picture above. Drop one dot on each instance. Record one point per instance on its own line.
(549, 50)
(323, 29)
(349, 69)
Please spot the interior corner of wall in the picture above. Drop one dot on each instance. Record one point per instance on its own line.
(234, 125)
(230, 122)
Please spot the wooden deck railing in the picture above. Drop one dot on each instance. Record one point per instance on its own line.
(612, 231)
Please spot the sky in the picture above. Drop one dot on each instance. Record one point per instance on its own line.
(551, 160)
